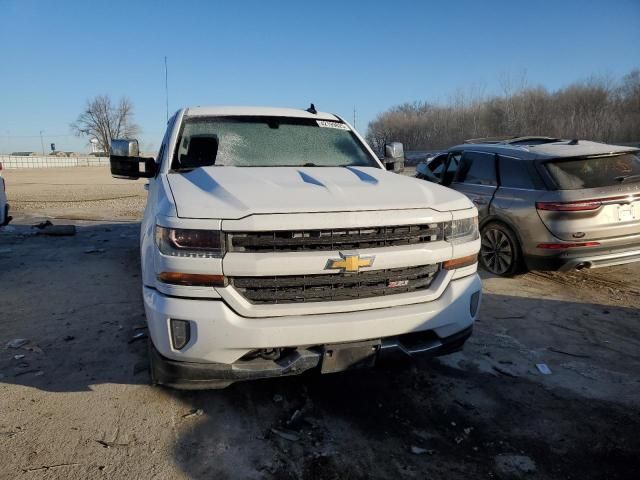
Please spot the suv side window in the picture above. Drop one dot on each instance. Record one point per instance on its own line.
(437, 164)
(452, 167)
(515, 173)
(478, 168)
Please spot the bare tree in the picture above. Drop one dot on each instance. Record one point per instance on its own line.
(104, 120)
(598, 108)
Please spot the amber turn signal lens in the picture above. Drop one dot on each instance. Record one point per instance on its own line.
(192, 279)
(460, 262)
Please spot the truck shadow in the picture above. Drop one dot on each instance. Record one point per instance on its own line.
(429, 421)
(77, 302)
(452, 417)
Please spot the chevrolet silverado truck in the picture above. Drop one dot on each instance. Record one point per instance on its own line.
(274, 242)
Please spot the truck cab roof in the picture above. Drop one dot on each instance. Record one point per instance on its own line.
(221, 111)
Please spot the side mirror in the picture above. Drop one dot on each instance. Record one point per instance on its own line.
(125, 160)
(394, 157)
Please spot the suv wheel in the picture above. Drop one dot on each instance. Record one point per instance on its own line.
(499, 250)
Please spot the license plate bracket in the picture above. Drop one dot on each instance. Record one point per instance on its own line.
(625, 213)
(347, 356)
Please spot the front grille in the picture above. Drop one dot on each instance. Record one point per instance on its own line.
(334, 239)
(334, 287)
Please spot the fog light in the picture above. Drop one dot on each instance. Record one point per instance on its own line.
(180, 333)
(475, 302)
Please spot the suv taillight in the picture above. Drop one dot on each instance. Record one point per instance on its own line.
(580, 206)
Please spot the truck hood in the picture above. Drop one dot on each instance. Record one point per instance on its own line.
(236, 192)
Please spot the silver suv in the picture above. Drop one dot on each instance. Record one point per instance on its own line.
(546, 203)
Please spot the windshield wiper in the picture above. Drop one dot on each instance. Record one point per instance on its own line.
(628, 178)
(311, 164)
(308, 164)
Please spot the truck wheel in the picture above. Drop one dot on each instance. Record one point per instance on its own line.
(499, 250)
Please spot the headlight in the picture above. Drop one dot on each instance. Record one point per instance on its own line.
(461, 231)
(179, 242)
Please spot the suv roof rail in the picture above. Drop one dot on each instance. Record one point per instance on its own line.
(502, 139)
(515, 140)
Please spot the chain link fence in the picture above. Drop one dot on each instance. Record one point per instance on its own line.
(46, 161)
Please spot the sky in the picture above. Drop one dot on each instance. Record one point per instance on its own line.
(340, 55)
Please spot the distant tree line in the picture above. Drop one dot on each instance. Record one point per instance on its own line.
(600, 109)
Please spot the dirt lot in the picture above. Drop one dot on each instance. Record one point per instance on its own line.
(73, 193)
(78, 405)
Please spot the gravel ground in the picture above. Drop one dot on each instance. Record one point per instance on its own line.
(88, 193)
(75, 401)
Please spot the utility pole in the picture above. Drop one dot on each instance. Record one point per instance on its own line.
(41, 142)
(166, 86)
(354, 117)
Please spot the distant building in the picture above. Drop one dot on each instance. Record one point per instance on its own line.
(95, 148)
(60, 153)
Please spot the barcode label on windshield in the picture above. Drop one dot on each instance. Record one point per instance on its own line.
(327, 124)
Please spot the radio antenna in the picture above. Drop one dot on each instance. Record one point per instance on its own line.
(166, 86)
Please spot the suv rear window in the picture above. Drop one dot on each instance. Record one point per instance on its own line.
(574, 174)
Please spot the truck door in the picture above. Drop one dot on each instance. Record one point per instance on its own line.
(476, 177)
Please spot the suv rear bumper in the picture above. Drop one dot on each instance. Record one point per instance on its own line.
(573, 260)
(220, 338)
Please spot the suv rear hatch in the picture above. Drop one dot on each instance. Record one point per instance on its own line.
(597, 197)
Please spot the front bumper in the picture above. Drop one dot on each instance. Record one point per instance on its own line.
(200, 376)
(220, 337)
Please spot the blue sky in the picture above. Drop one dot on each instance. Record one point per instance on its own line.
(367, 54)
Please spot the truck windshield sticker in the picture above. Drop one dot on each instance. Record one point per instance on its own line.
(327, 124)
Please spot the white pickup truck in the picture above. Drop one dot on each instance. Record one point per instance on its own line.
(275, 242)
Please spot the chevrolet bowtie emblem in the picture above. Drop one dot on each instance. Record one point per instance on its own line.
(350, 263)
